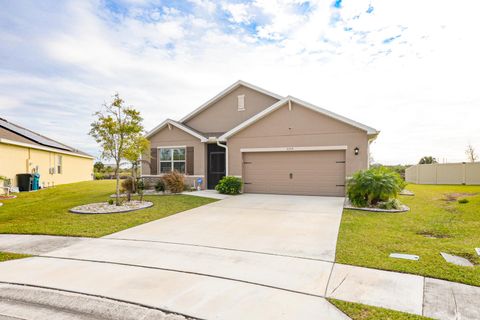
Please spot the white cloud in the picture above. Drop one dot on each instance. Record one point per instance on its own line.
(420, 88)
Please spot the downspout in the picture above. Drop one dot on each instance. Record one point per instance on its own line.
(226, 155)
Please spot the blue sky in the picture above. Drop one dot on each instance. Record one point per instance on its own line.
(407, 68)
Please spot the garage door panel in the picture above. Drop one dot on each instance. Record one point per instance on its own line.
(295, 172)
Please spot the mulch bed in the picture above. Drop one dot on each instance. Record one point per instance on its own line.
(105, 208)
(7, 197)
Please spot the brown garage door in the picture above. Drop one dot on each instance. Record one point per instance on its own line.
(295, 172)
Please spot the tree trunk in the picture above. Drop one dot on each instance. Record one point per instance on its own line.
(117, 192)
(134, 178)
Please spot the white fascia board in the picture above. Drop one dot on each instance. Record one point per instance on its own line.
(224, 93)
(370, 131)
(37, 147)
(179, 126)
(293, 149)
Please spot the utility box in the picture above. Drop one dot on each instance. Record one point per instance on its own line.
(24, 181)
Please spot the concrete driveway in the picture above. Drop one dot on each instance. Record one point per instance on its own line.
(296, 226)
(245, 257)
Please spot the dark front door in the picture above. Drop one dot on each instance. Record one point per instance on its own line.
(216, 165)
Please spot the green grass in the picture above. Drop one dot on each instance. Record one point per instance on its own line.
(358, 311)
(4, 256)
(367, 238)
(46, 211)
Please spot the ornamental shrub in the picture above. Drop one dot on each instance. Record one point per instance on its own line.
(229, 185)
(390, 204)
(160, 186)
(174, 181)
(369, 187)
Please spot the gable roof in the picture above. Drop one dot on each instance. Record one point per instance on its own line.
(180, 126)
(226, 92)
(11, 133)
(370, 131)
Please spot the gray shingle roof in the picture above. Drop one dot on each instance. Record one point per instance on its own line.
(17, 133)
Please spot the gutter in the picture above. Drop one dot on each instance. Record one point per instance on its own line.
(226, 156)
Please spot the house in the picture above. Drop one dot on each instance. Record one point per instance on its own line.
(24, 151)
(276, 144)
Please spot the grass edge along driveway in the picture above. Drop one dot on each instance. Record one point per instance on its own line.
(358, 311)
(5, 256)
(435, 224)
(46, 211)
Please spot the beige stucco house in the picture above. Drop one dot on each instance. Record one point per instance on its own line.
(275, 144)
(24, 151)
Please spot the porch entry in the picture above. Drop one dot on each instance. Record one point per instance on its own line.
(215, 165)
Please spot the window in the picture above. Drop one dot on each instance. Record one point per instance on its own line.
(172, 159)
(58, 164)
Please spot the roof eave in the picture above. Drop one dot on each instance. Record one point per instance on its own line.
(179, 126)
(371, 132)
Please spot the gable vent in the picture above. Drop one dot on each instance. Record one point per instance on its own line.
(241, 102)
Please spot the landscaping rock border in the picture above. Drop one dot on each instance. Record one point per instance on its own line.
(146, 193)
(349, 206)
(406, 192)
(105, 208)
(3, 197)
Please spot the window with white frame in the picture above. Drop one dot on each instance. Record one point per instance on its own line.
(172, 158)
(58, 164)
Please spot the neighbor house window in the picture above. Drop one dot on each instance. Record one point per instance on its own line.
(58, 164)
(172, 159)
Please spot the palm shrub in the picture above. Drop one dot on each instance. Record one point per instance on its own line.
(369, 187)
(174, 181)
(229, 185)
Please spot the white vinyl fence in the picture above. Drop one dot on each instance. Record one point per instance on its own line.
(444, 173)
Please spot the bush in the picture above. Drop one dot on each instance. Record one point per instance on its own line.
(229, 185)
(390, 204)
(110, 201)
(128, 186)
(160, 186)
(174, 181)
(140, 188)
(369, 187)
(463, 201)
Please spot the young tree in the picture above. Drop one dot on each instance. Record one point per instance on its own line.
(471, 153)
(427, 160)
(137, 146)
(115, 125)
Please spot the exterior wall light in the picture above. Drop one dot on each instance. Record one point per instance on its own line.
(356, 150)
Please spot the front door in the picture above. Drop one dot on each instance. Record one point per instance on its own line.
(216, 165)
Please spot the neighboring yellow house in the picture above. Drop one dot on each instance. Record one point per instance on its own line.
(24, 151)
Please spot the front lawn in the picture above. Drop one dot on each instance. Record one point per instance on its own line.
(46, 211)
(358, 311)
(4, 256)
(434, 224)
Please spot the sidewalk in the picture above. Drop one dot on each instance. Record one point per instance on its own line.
(211, 275)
